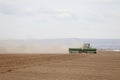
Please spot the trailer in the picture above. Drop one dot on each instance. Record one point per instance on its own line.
(75, 50)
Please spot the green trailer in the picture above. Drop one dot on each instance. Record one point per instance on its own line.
(89, 50)
(80, 50)
(75, 50)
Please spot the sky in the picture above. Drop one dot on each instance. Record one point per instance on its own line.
(43, 19)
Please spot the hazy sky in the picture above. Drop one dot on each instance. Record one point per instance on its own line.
(36, 19)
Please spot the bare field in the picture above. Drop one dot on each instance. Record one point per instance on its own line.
(101, 66)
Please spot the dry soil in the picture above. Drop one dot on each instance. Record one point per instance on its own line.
(100, 66)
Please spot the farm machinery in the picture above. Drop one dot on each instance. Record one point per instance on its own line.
(85, 49)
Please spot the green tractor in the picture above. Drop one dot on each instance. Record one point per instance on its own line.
(86, 49)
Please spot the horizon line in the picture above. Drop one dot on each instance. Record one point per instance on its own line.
(56, 38)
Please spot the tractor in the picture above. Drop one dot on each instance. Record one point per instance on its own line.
(85, 49)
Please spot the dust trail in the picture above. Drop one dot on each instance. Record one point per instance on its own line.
(38, 46)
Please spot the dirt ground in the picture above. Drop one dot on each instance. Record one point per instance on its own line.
(100, 66)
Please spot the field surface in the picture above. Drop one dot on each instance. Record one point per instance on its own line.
(101, 66)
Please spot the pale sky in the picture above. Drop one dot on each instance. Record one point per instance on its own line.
(39, 19)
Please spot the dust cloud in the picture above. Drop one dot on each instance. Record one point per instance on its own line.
(39, 46)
